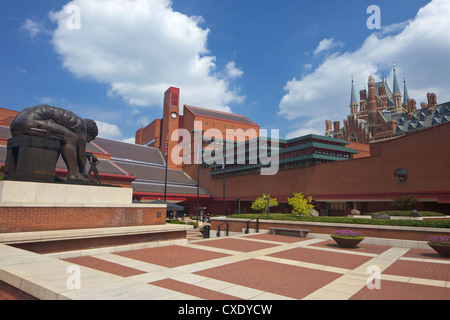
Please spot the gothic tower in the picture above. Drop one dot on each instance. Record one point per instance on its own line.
(353, 102)
(397, 95)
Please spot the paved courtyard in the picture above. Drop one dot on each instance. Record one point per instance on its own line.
(274, 267)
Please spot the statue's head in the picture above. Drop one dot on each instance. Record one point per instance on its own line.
(91, 129)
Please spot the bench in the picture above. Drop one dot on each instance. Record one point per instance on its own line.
(302, 233)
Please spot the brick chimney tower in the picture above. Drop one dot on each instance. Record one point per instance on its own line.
(411, 107)
(328, 126)
(372, 97)
(363, 100)
(337, 129)
(170, 124)
(431, 102)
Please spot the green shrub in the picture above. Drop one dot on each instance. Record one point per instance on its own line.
(175, 221)
(408, 213)
(405, 203)
(406, 223)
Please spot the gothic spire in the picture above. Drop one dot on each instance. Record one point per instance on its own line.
(396, 86)
(353, 92)
(406, 95)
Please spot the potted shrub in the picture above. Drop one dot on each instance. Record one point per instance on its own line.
(347, 238)
(440, 244)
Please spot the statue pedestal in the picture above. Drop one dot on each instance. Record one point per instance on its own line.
(34, 206)
(31, 158)
(62, 194)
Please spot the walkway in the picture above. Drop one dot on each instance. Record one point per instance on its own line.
(272, 267)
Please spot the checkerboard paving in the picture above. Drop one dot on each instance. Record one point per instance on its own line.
(272, 267)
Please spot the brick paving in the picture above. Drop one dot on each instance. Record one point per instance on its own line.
(393, 290)
(172, 256)
(334, 259)
(193, 290)
(420, 269)
(362, 247)
(263, 266)
(286, 280)
(105, 266)
(237, 244)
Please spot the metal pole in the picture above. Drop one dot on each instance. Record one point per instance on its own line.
(224, 179)
(167, 154)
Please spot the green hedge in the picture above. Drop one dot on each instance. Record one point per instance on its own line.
(408, 213)
(405, 223)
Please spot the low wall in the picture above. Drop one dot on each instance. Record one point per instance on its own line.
(27, 218)
(373, 231)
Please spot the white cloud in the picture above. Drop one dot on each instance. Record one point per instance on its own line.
(303, 132)
(233, 71)
(129, 140)
(327, 45)
(141, 48)
(32, 27)
(108, 130)
(421, 51)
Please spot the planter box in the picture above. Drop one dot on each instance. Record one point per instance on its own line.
(347, 243)
(443, 251)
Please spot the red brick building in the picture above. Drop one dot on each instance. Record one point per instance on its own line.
(384, 115)
(338, 175)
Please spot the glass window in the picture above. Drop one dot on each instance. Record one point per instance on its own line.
(401, 175)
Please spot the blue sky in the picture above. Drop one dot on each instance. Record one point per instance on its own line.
(285, 64)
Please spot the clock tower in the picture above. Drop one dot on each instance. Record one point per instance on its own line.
(170, 123)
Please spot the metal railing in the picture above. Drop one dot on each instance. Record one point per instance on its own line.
(218, 229)
(248, 225)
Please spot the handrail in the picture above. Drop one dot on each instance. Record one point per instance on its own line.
(218, 229)
(248, 225)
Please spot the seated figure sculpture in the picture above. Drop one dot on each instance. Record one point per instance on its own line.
(56, 123)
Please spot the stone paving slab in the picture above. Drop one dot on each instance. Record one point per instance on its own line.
(249, 267)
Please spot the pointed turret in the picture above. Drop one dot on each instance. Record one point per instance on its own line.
(405, 92)
(397, 95)
(396, 86)
(353, 102)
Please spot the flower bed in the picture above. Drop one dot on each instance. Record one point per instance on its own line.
(441, 244)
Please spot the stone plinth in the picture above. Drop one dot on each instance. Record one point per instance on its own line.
(34, 206)
(60, 193)
(31, 158)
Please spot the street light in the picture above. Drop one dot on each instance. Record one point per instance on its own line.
(239, 205)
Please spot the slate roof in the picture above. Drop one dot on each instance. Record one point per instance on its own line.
(220, 115)
(122, 150)
(421, 119)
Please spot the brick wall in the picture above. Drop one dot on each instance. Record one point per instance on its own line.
(27, 219)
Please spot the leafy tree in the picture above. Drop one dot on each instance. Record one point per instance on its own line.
(405, 203)
(261, 203)
(301, 205)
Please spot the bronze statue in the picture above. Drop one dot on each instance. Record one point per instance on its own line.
(56, 123)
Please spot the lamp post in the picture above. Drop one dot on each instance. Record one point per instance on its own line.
(239, 205)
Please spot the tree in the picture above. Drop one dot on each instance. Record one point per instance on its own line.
(301, 205)
(261, 203)
(405, 203)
